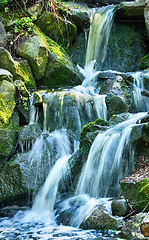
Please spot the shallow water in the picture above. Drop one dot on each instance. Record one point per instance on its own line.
(29, 225)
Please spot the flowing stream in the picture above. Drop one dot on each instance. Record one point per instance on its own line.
(65, 113)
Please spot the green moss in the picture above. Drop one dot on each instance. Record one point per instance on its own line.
(144, 189)
(5, 112)
(144, 62)
(24, 71)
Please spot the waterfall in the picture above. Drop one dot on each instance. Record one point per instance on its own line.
(33, 111)
(99, 35)
(140, 81)
(103, 167)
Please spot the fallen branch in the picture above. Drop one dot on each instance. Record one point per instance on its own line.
(144, 227)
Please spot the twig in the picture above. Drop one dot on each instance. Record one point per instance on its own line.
(145, 207)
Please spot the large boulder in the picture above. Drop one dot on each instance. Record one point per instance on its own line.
(49, 62)
(130, 10)
(19, 70)
(103, 220)
(35, 51)
(126, 47)
(60, 30)
(136, 190)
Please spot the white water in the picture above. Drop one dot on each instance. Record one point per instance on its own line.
(103, 167)
(141, 102)
(104, 158)
(99, 35)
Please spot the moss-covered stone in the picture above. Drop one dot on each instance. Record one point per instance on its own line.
(144, 62)
(19, 70)
(60, 30)
(115, 105)
(137, 193)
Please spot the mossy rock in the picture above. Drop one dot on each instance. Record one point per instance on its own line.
(60, 30)
(137, 193)
(20, 70)
(35, 51)
(144, 62)
(115, 105)
(8, 139)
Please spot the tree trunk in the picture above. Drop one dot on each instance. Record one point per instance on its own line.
(144, 227)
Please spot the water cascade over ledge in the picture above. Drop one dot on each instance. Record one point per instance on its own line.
(64, 113)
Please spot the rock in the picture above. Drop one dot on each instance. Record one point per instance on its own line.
(116, 86)
(8, 128)
(35, 10)
(115, 119)
(49, 62)
(78, 50)
(19, 70)
(5, 75)
(130, 10)
(3, 36)
(102, 220)
(27, 137)
(119, 207)
(58, 29)
(35, 51)
(115, 105)
(131, 229)
(126, 47)
(137, 192)
(79, 14)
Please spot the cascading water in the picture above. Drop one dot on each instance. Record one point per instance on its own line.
(65, 113)
(100, 28)
(140, 81)
(103, 168)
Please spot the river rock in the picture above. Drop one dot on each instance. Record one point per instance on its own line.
(5, 75)
(60, 30)
(102, 220)
(119, 207)
(3, 36)
(130, 10)
(19, 69)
